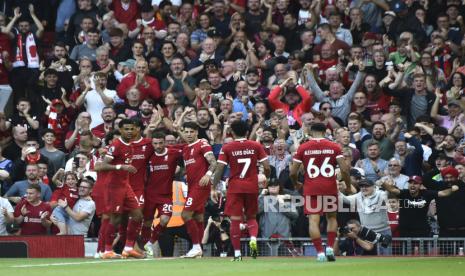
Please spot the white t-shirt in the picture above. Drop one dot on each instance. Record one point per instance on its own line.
(4, 203)
(94, 105)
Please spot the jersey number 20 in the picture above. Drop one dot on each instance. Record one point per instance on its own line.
(326, 170)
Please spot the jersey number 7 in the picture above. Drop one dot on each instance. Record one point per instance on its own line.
(246, 162)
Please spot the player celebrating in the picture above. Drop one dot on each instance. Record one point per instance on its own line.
(242, 156)
(99, 190)
(319, 158)
(159, 189)
(200, 164)
(142, 150)
(119, 196)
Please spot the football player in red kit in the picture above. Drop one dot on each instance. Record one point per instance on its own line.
(159, 189)
(99, 190)
(243, 157)
(119, 196)
(200, 164)
(142, 150)
(319, 158)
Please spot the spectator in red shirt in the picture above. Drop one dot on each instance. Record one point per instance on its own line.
(296, 100)
(148, 86)
(126, 12)
(32, 214)
(67, 191)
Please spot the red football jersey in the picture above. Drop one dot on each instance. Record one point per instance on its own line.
(162, 168)
(121, 153)
(393, 220)
(32, 224)
(195, 162)
(100, 183)
(70, 194)
(142, 150)
(242, 156)
(318, 157)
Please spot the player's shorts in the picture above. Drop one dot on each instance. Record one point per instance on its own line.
(163, 206)
(240, 204)
(196, 200)
(99, 200)
(140, 198)
(320, 204)
(121, 199)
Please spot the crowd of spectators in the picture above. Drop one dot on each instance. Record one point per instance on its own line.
(386, 77)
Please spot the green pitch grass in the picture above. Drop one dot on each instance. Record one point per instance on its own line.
(224, 267)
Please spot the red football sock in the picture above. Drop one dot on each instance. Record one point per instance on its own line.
(252, 225)
(200, 228)
(235, 234)
(146, 233)
(109, 237)
(133, 231)
(331, 239)
(101, 234)
(156, 233)
(318, 245)
(193, 231)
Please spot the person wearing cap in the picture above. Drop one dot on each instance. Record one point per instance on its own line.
(370, 205)
(450, 209)
(296, 100)
(454, 109)
(414, 202)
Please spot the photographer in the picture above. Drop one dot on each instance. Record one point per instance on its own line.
(370, 204)
(360, 240)
(217, 232)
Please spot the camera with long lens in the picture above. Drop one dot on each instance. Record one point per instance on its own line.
(374, 237)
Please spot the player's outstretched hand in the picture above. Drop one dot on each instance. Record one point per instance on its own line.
(204, 180)
(129, 168)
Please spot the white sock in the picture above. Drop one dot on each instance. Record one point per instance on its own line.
(237, 253)
(127, 248)
(196, 247)
(252, 238)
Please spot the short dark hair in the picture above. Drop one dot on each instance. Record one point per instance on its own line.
(378, 123)
(88, 179)
(318, 127)
(110, 135)
(137, 122)
(115, 32)
(50, 71)
(191, 125)
(240, 128)
(125, 121)
(48, 130)
(35, 186)
(158, 135)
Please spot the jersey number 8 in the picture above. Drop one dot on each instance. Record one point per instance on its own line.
(326, 170)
